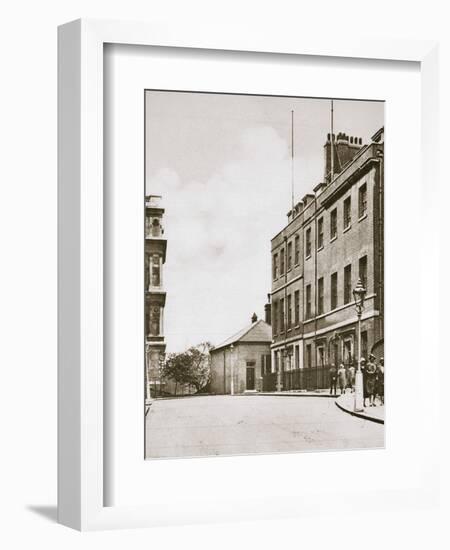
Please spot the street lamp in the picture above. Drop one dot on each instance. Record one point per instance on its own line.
(232, 370)
(359, 293)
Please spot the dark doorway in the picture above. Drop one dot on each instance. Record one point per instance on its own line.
(250, 378)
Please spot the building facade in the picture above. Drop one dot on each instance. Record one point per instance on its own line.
(155, 295)
(334, 236)
(239, 363)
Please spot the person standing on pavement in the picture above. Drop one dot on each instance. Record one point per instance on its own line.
(333, 379)
(371, 379)
(342, 378)
(364, 377)
(380, 381)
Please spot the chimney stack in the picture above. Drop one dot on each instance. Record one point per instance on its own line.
(345, 148)
(268, 311)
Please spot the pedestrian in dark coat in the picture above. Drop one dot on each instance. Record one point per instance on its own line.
(371, 379)
(333, 379)
(380, 380)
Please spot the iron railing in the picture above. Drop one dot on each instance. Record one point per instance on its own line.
(307, 379)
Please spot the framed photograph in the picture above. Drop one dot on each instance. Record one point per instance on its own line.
(232, 221)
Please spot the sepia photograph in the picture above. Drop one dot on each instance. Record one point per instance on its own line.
(264, 274)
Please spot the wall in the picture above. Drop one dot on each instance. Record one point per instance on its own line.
(359, 239)
(221, 363)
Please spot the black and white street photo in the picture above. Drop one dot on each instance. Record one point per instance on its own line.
(264, 274)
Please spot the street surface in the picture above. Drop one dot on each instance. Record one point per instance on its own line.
(226, 425)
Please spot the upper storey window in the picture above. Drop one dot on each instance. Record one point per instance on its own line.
(156, 270)
(347, 213)
(362, 206)
(308, 243)
(289, 256)
(333, 224)
(157, 230)
(297, 250)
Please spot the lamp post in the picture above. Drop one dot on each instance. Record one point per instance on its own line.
(232, 370)
(359, 293)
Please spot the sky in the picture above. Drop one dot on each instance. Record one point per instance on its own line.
(222, 164)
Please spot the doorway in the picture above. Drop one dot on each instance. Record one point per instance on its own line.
(250, 378)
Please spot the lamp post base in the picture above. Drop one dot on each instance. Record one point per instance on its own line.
(359, 391)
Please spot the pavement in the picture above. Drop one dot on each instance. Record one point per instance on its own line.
(249, 424)
(294, 393)
(346, 403)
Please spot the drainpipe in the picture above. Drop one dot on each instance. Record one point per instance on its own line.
(381, 239)
(315, 285)
(285, 307)
(224, 373)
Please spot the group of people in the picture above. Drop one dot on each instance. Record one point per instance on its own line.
(373, 379)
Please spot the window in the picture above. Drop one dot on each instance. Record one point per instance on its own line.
(297, 357)
(320, 233)
(282, 262)
(364, 344)
(308, 301)
(362, 201)
(156, 228)
(289, 256)
(275, 317)
(297, 306)
(275, 266)
(347, 284)
(363, 270)
(281, 314)
(266, 364)
(155, 321)
(289, 311)
(333, 224)
(308, 356)
(297, 250)
(334, 290)
(156, 272)
(320, 356)
(308, 243)
(320, 296)
(347, 212)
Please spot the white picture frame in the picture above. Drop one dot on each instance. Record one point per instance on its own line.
(81, 481)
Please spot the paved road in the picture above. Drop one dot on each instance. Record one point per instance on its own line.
(226, 425)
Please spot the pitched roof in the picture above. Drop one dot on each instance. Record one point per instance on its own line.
(256, 332)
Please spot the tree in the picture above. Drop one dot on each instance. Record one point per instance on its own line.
(192, 367)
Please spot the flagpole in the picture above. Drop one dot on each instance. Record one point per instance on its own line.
(292, 161)
(332, 142)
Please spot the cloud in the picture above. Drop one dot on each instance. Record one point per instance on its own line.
(218, 263)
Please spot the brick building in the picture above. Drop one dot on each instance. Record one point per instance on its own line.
(243, 358)
(155, 296)
(333, 237)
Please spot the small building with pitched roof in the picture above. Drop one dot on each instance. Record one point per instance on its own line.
(239, 363)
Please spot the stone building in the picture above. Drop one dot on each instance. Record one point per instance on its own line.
(333, 237)
(238, 364)
(155, 296)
